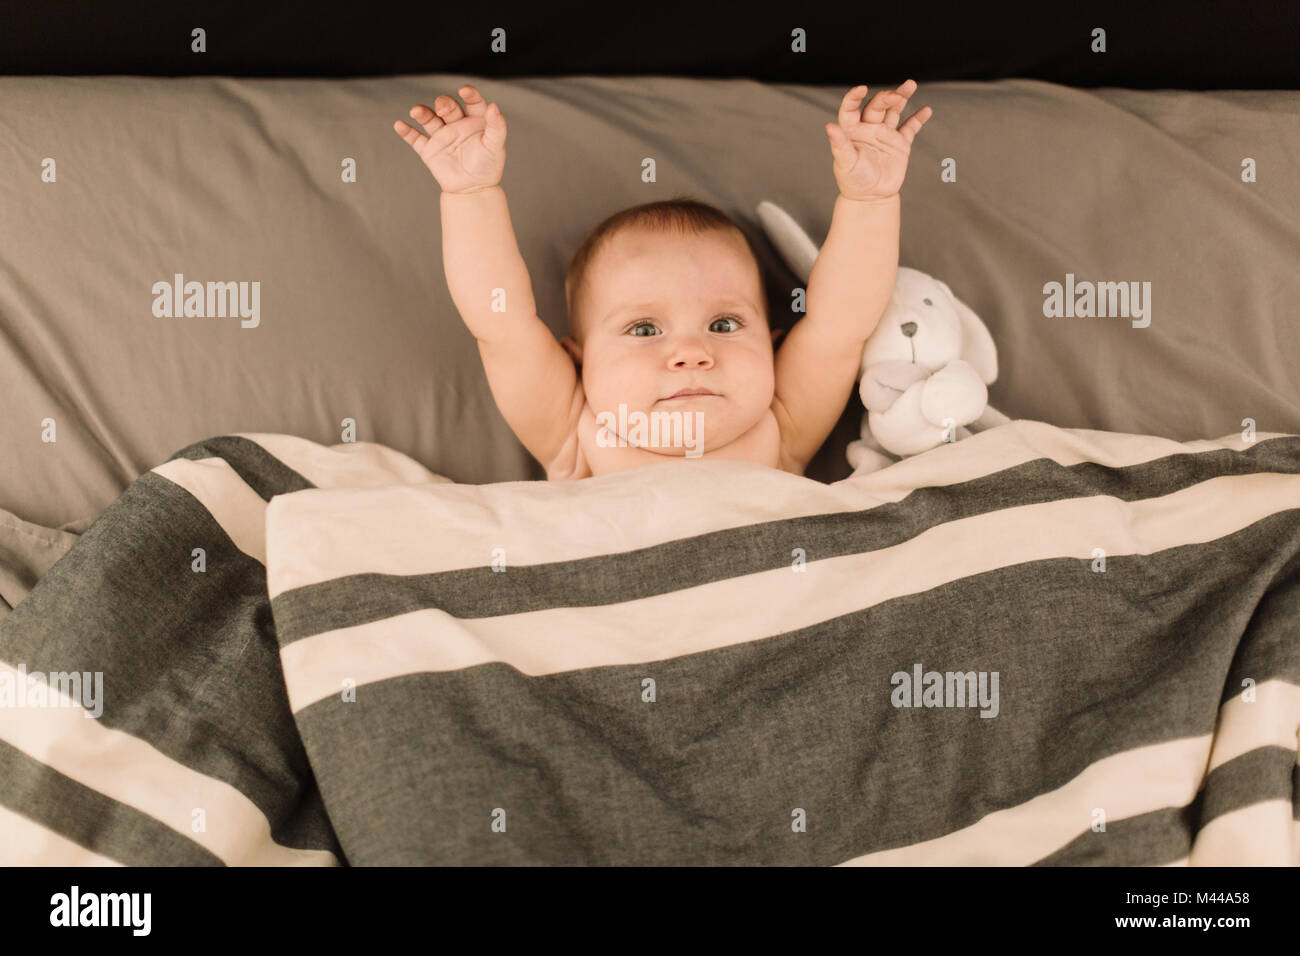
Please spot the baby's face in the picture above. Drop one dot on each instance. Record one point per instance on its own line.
(666, 312)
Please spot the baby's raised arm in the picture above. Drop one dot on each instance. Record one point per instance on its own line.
(532, 378)
(854, 274)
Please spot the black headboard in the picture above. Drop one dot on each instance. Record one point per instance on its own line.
(1183, 44)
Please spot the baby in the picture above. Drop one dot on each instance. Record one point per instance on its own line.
(705, 382)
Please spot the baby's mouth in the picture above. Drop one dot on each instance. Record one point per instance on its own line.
(690, 393)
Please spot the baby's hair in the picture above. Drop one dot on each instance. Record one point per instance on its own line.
(680, 214)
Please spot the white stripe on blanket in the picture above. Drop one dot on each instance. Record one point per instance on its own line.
(134, 773)
(1017, 836)
(1276, 706)
(608, 507)
(239, 509)
(736, 610)
(28, 843)
(345, 465)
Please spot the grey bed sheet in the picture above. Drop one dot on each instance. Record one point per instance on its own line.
(27, 551)
(239, 180)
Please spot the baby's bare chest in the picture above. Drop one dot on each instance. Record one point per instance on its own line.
(602, 449)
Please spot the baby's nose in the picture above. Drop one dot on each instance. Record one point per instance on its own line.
(690, 353)
(701, 360)
(909, 329)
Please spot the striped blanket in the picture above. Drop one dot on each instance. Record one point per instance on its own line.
(1034, 646)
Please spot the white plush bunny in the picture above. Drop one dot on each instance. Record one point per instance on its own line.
(925, 369)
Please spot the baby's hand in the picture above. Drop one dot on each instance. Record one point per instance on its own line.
(870, 152)
(465, 151)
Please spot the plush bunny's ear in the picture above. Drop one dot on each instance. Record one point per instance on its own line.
(795, 246)
(977, 345)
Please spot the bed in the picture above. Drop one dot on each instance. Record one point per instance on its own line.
(356, 351)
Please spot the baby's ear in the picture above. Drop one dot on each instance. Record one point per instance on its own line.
(573, 348)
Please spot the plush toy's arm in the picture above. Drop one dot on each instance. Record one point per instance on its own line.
(884, 382)
(954, 392)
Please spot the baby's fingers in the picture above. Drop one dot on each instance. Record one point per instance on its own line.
(413, 136)
(475, 105)
(425, 116)
(886, 106)
(914, 123)
(494, 133)
(851, 106)
(447, 108)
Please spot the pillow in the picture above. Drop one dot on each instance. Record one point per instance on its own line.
(220, 180)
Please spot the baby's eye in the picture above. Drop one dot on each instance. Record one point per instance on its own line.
(927, 302)
(724, 318)
(643, 325)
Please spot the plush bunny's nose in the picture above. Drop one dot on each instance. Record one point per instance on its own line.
(909, 329)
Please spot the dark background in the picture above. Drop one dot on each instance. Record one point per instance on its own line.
(1186, 45)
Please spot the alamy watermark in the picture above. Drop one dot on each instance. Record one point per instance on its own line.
(654, 430)
(1128, 300)
(56, 689)
(75, 908)
(950, 689)
(215, 300)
